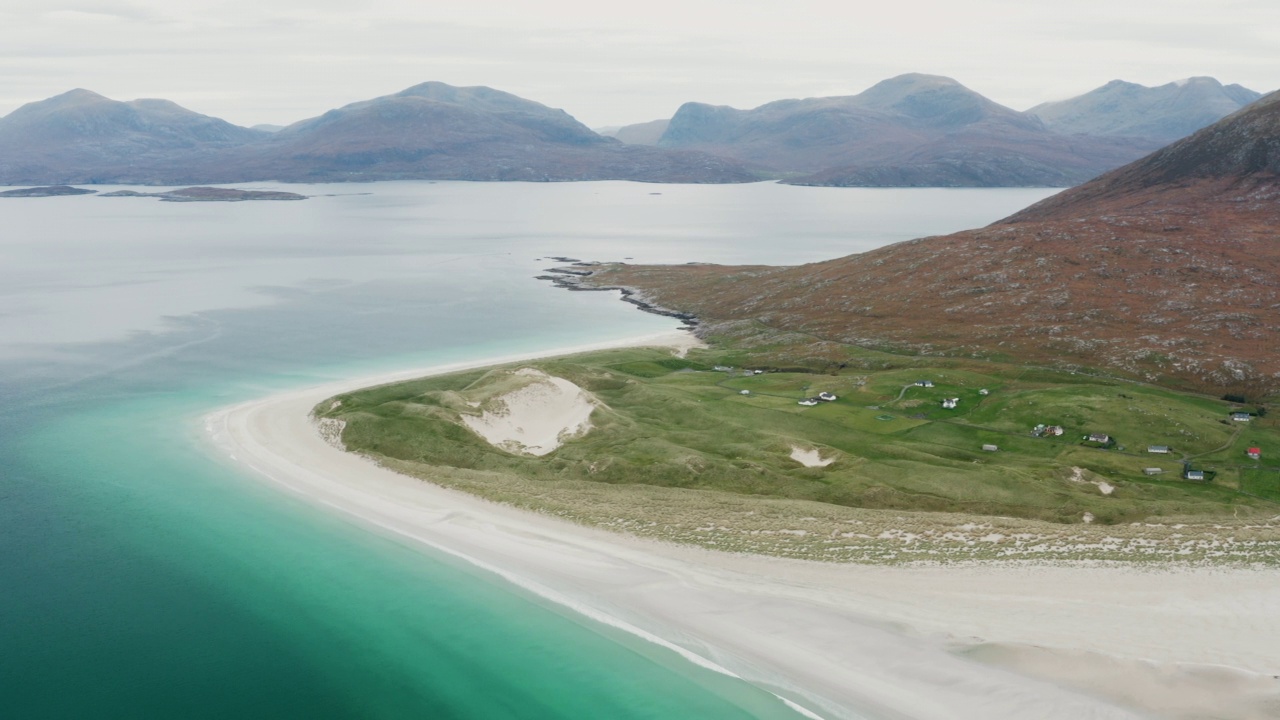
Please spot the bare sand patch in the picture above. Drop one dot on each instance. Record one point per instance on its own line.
(537, 417)
(809, 457)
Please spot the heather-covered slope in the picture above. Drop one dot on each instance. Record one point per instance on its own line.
(1168, 269)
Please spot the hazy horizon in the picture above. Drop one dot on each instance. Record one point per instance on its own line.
(252, 63)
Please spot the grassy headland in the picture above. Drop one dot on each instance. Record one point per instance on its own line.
(679, 453)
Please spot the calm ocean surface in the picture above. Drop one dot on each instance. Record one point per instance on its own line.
(141, 576)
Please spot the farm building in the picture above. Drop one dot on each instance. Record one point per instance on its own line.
(950, 403)
(827, 397)
(1152, 471)
(1190, 474)
(1241, 416)
(1254, 453)
(809, 402)
(1159, 449)
(990, 448)
(1099, 438)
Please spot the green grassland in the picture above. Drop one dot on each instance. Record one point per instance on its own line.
(676, 451)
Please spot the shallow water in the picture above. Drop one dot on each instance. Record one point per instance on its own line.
(145, 577)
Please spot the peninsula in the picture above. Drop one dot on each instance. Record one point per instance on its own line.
(937, 480)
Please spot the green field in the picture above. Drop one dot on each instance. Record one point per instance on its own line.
(676, 434)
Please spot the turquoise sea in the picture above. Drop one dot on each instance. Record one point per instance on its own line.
(144, 576)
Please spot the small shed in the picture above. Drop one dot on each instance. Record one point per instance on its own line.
(1254, 453)
(1152, 471)
(984, 391)
(745, 392)
(1159, 449)
(990, 448)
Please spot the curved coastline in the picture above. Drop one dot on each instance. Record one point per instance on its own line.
(844, 641)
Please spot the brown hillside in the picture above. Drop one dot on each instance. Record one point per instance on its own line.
(1168, 269)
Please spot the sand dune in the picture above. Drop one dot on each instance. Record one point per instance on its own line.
(536, 418)
(844, 641)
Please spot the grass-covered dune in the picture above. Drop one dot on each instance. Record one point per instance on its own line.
(678, 451)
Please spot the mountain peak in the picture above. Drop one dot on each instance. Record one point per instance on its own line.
(1241, 150)
(934, 100)
(1163, 113)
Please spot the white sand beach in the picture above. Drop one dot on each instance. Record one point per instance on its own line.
(1021, 641)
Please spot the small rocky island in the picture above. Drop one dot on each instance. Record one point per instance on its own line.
(210, 194)
(48, 191)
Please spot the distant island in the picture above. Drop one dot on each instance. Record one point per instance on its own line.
(48, 191)
(208, 194)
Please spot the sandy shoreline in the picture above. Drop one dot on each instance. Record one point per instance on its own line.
(841, 640)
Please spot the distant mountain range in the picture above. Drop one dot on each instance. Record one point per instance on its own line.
(912, 130)
(429, 131)
(1166, 270)
(1165, 113)
(925, 130)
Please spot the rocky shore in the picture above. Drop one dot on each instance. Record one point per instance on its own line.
(573, 277)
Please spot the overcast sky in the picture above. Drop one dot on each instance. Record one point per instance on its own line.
(609, 63)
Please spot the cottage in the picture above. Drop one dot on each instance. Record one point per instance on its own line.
(1254, 453)
(1099, 438)
(950, 403)
(826, 396)
(924, 383)
(984, 391)
(990, 448)
(1054, 430)
(1190, 474)
(809, 402)
(1241, 416)
(1158, 449)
